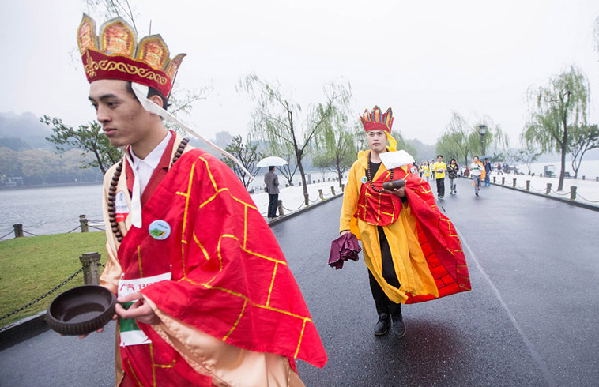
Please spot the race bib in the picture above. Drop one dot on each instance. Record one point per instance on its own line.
(130, 332)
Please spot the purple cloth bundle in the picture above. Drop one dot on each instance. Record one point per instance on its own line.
(344, 248)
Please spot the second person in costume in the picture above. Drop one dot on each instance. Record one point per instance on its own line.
(411, 249)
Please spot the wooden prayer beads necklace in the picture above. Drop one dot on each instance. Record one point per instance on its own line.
(369, 176)
(115, 181)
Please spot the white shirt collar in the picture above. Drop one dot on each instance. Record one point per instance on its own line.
(155, 155)
(142, 172)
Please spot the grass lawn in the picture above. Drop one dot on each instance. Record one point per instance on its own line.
(32, 266)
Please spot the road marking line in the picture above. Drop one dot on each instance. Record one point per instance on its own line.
(535, 355)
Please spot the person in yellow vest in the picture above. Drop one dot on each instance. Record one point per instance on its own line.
(426, 170)
(439, 167)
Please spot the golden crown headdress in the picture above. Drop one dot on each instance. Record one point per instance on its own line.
(376, 120)
(115, 54)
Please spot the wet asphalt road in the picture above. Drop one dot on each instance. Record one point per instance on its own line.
(530, 320)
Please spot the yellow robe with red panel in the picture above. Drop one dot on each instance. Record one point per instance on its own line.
(231, 313)
(426, 251)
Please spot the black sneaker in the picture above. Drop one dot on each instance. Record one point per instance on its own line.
(382, 327)
(399, 328)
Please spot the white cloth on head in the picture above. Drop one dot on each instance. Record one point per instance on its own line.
(142, 172)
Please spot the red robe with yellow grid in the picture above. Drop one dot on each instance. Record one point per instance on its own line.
(231, 306)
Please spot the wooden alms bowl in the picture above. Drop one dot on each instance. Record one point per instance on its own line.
(394, 184)
(81, 310)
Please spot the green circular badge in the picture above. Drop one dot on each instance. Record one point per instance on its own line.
(159, 229)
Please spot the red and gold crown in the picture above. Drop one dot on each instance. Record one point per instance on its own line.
(376, 120)
(115, 54)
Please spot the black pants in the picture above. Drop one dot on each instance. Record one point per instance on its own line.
(381, 300)
(440, 187)
(273, 201)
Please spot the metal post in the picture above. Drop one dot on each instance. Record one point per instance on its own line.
(320, 194)
(548, 189)
(528, 185)
(482, 130)
(493, 179)
(503, 181)
(18, 230)
(84, 223)
(573, 192)
(584, 177)
(333, 190)
(281, 212)
(342, 187)
(514, 185)
(91, 268)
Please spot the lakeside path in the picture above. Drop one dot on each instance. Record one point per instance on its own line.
(530, 320)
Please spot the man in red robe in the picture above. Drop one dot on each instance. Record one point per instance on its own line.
(206, 297)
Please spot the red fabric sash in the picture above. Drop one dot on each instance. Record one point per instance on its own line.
(379, 208)
(439, 242)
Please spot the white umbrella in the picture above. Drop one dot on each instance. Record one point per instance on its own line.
(271, 161)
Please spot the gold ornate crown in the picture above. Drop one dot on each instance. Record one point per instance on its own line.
(376, 120)
(115, 54)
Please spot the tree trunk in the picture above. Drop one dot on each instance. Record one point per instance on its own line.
(100, 164)
(562, 171)
(298, 158)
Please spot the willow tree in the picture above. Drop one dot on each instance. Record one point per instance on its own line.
(455, 142)
(247, 154)
(561, 103)
(462, 139)
(334, 145)
(582, 139)
(274, 118)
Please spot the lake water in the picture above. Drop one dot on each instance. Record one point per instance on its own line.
(49, 210)
(57, 209)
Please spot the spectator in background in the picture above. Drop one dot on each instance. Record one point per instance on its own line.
(452, 171)
(426, 169)
(272, 187)
(487, 172)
